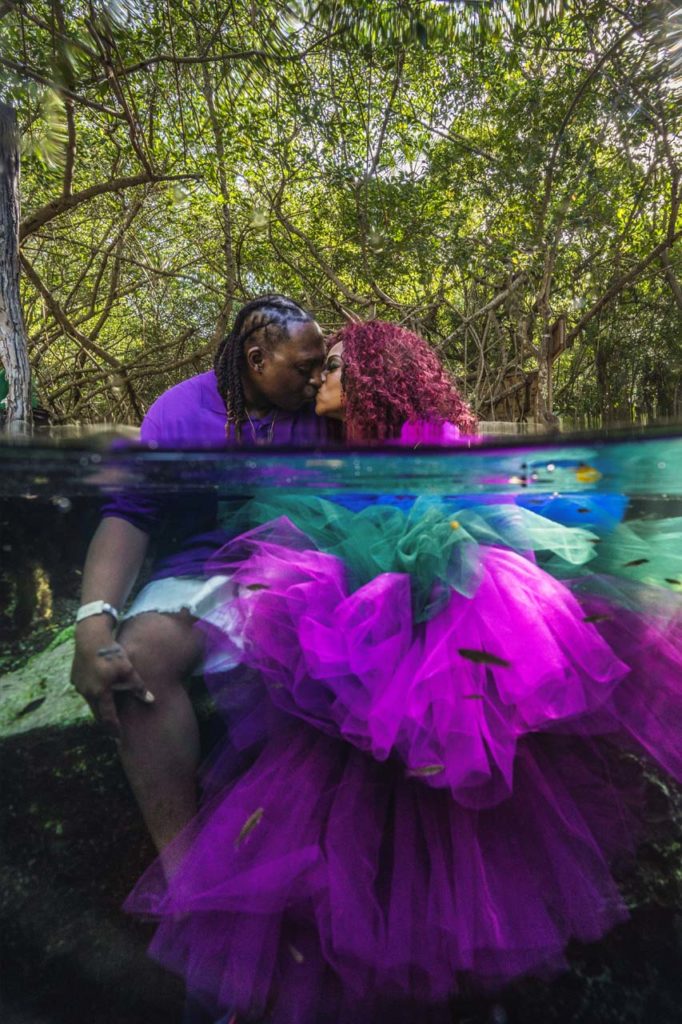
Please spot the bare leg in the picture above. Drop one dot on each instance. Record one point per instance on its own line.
(159, 744)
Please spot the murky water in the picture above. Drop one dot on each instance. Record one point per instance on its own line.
(72, 841)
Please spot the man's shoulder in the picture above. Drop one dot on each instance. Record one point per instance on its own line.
(179, 396)
(189, 412)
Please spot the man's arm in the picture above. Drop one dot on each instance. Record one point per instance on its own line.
(100, 665)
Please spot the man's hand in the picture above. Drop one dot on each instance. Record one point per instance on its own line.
(101, 667)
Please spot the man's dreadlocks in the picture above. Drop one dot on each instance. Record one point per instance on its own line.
(258, 315)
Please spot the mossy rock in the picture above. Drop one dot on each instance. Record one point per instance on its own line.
(72, 845)
(39, 695)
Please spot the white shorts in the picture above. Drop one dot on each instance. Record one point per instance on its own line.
(209, 599)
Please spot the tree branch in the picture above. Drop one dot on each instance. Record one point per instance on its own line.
(217, 58)
(62, 319)
(28, 72)
(620, 284)
(387, 114)
(56, 207)
(319, 258)
(575, 102)
(457, 140)
(117, 89)
(672, 278)
(83, 340)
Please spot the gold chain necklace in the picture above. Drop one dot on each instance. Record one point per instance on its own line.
(254, 430)
(271, 428)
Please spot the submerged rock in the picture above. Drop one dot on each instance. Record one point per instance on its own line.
(39, 695)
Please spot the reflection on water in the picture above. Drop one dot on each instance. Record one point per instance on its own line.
(646, 463)
(73, 843)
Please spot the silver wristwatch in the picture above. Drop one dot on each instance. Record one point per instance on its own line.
(96, 608)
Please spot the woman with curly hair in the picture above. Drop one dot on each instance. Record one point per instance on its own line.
(384, 381)
(430, 805)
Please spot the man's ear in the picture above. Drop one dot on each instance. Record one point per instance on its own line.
(255, 358)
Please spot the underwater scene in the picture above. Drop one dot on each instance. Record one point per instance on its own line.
(440, 725)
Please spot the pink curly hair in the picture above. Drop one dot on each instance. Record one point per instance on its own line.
(392, 376)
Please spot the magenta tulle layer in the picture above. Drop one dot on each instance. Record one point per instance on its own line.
(431, 803)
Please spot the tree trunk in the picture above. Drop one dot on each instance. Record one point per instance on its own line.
(13, 347)
(545, 413)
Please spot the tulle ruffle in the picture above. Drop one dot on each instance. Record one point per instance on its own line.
(449, 697)
(439, 779)
(324, 885)
(434, 542)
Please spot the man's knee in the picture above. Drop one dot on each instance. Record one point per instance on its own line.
(162, 647)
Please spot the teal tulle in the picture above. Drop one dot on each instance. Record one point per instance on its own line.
(646, 550)
(436, 544)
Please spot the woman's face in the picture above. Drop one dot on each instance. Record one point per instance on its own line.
(329, 400)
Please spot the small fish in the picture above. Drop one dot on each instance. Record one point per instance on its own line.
(483, 657)
(426, 770)
(675, 583)
(635, 561)
(472, 696)
(597, 618)
(454, 524)
(249, 825)
(31, 706)
(583, 510)
(296, 954)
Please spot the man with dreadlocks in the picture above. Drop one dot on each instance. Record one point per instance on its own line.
(266, 373)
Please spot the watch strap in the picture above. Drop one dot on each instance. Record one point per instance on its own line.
(96, 608)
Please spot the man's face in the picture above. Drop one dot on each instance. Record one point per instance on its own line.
(289, 374)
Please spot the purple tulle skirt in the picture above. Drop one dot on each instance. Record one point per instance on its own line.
(428, 806)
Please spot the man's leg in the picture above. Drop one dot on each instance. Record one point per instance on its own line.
(159, 743)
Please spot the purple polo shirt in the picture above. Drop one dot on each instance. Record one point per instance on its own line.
(192, 415)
